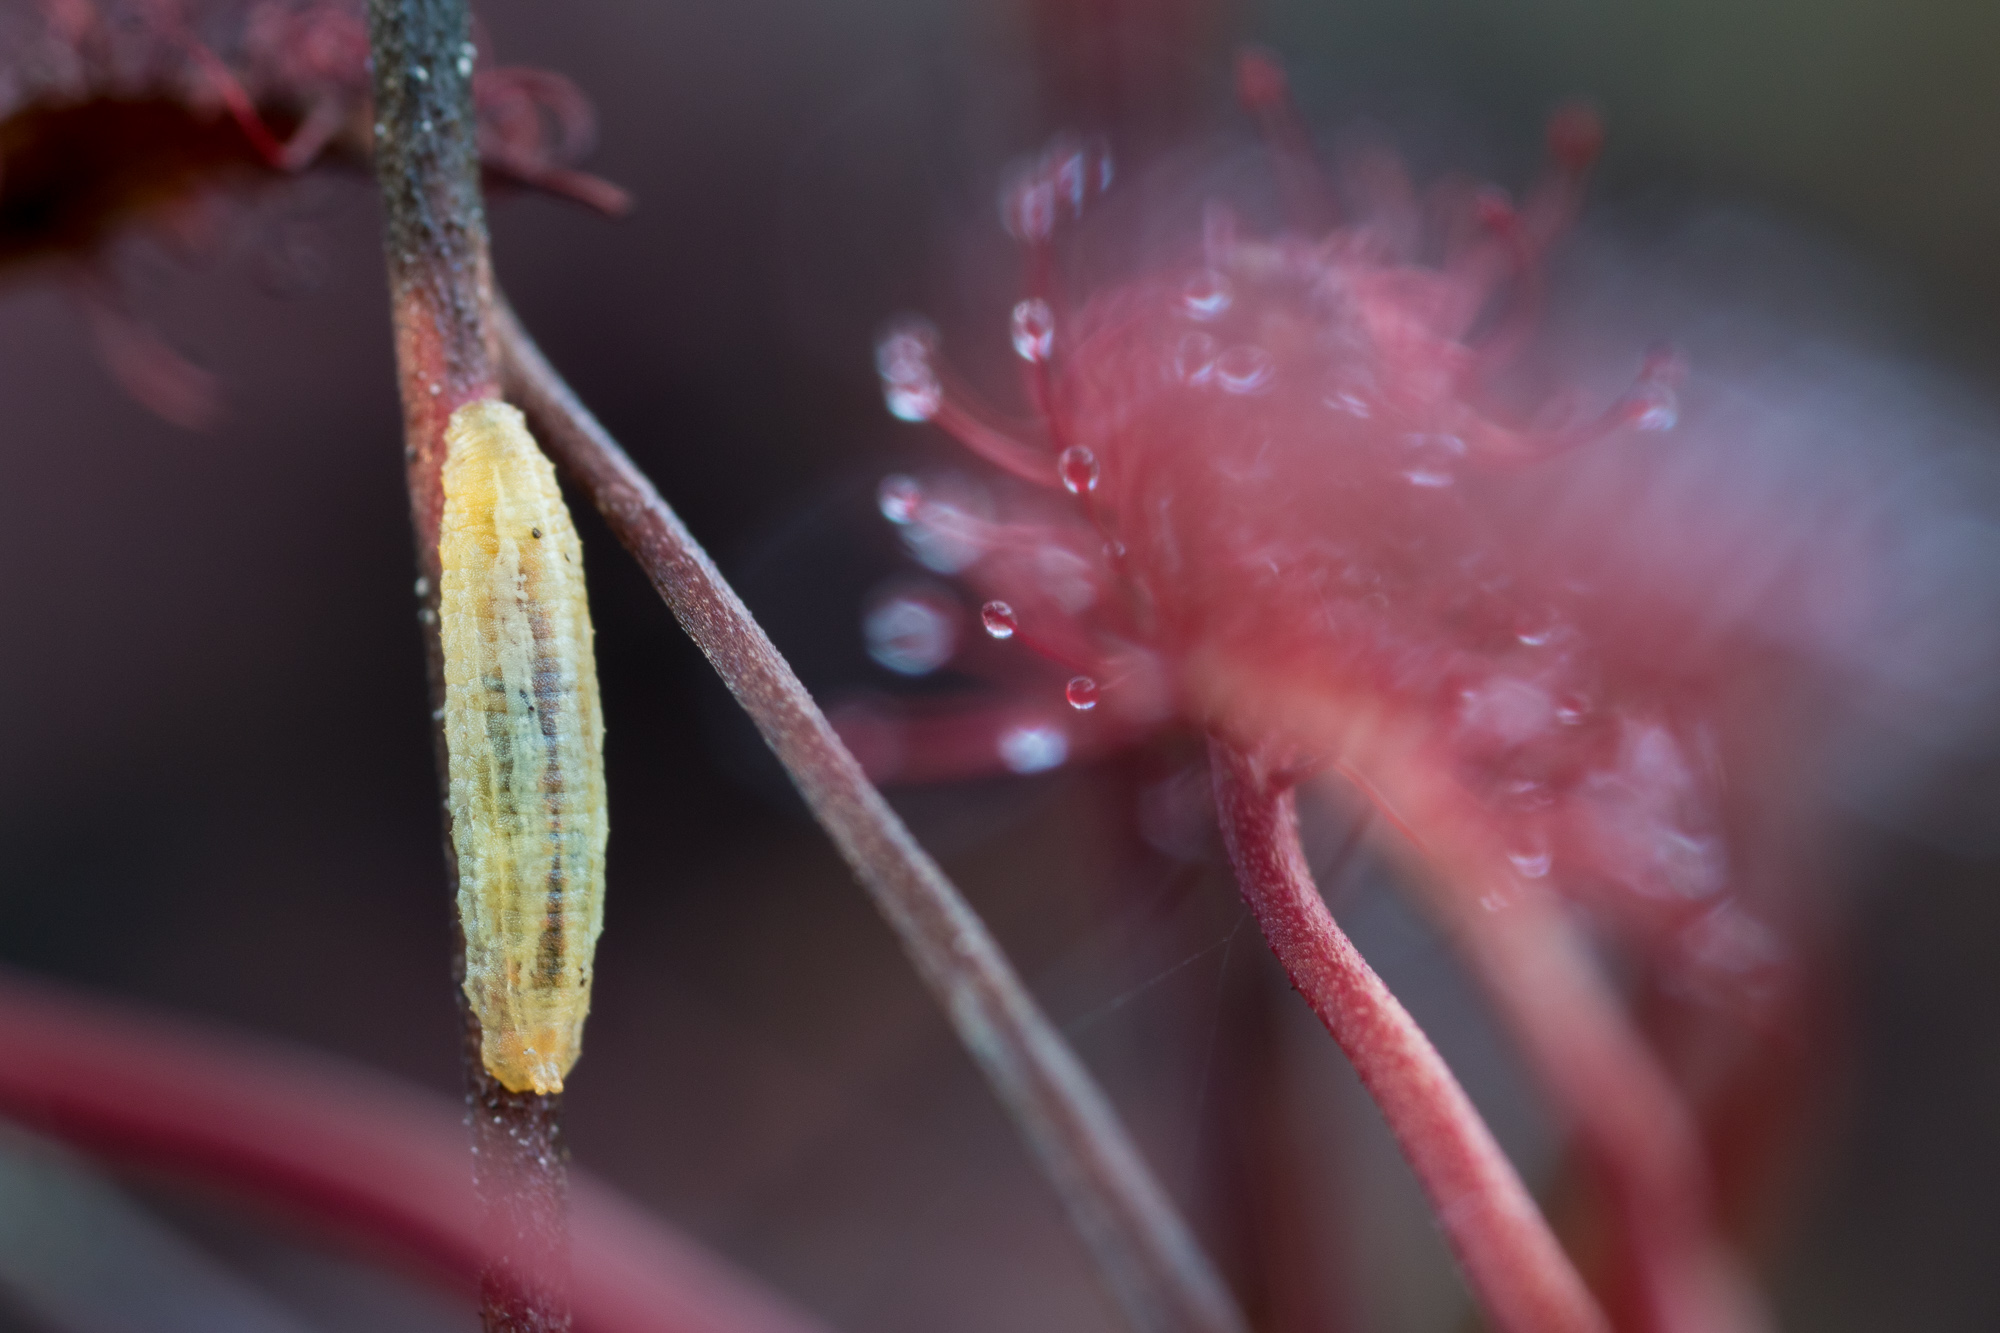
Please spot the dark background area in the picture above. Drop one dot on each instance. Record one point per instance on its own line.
(217, 794)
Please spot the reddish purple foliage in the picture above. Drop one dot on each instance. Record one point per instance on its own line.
(133, 115)
(1279, 502)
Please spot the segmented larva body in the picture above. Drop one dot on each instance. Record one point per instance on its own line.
(525, 732)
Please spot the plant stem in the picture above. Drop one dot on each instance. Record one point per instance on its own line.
(1631, 1121)
(1143, 1249)
(1510, 1258)
(441, 299)
(377, 1163)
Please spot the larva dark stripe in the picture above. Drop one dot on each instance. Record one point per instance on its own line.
(549, 682)
(524, 729)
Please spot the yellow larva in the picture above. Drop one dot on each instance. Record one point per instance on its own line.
(526, 737)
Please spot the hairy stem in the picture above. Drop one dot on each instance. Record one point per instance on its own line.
(441, 301)
(375, 1163)
(1631, 1122)
(1517, 1271)
(1142, 1247)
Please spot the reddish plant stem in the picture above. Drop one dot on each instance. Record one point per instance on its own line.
(1630, 1120)
(1510, 1258)
(341, 1147)
(441, 298)
(1143, 1249)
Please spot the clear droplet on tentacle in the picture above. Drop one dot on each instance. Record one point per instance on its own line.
(1572, 708)
(1531, 860)
(1034, 749)
(1655, 407)
(939, 539)
(1034, 330)
(909, 381)
(1245, 370)
(1653, 404)
(1194, 359)
(910, 636)
(1081, 693)
(899, 498)
(1207, 295)
(1349, 402)
(1078, 468)
(1538, 627)
(1065, 177)
(1079, 171)
(999, 620)
(1028, 206)
(1433, 460)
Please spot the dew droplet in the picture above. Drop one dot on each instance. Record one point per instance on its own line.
(1194, 359)
(1537, 630)
(1353, 404)
(1034, 330)
(909, 636)
(1652, 405)
(1572, 708)
(999, 620)
(909, 382)
(426, 616)
(1068, 173)
(1207, 295)
(1081, 693)
(899, 497)
(1073, 179)
(1532, 863)
(1032, 749)
(1655, 407)
(1245, 369)
(938, 538)
(423, 586)
(1028, 205)
(1078, 469)
(1433, 460)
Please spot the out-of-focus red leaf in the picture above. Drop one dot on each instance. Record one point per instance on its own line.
(374, 1162)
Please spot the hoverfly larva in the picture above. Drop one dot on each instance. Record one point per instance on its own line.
(525, 733)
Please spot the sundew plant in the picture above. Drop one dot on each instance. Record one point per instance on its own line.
(1395, 643)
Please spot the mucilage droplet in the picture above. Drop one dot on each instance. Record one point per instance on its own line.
(909, 382)
(1078, 468)
(1034, 328)
(898, 497)
(999, 620)
(1032, 749)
